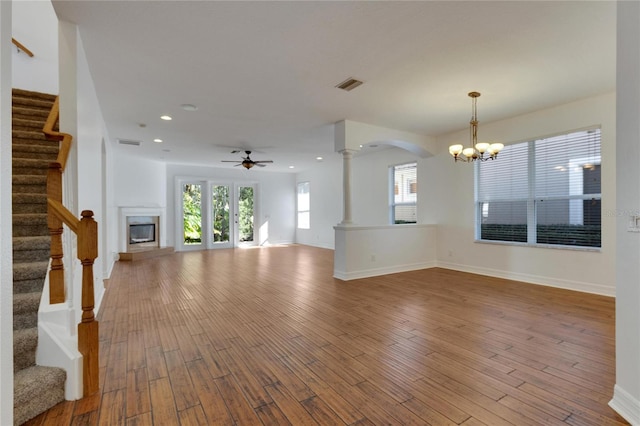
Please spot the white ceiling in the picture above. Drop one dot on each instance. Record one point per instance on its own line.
(263, 73)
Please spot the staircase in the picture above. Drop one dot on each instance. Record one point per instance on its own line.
(36, 388)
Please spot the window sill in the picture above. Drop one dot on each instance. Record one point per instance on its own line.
(543, 246)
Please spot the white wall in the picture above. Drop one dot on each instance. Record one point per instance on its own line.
(370, 184)
(6, 254)
(35, 25)
(276, 195)
(626, 399)
(454, 196)
(139, 182)
(325, 190)
(367, 251)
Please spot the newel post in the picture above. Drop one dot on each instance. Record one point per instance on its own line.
(54, 223)
(88, 344)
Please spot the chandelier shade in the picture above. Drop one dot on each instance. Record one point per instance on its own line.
(481, 151)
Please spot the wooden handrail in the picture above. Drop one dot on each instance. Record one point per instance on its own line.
(62, 213)
(64, 138)
(87, 231)
(21, 47)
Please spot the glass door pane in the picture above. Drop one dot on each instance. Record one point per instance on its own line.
(245, 214)
(220, 208)
(192, 214)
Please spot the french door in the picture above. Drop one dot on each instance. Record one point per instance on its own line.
(216, 215)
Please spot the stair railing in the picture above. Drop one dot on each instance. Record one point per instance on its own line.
(86, 230)
(20, 46)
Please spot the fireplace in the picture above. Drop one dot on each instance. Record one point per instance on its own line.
(142, 232)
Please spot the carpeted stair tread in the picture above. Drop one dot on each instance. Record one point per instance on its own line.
(31, 137)
(38, 152)
(30, 225)
(29, 113)
(25, 342)
(35, 390)
(31, 243)
(22, 124)
(25, 310)
(28, 286)
(41, 104)
(22, 93)
(30, 162)
(31, 249)
(29, 184)
(29, 180)
(19, 198)
(29, 203)
(30, 270)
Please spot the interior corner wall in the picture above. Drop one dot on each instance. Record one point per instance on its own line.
(6, 256)
(35, 25)
(276, 195)
(454, 200)
(325, 201)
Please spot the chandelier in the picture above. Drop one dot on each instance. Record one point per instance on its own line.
(477, 150)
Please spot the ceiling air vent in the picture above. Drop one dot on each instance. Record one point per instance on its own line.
(129, 142)
(349, 84)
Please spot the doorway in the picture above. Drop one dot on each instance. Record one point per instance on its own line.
(216, 215)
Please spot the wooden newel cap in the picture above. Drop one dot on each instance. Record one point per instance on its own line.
(87, 213)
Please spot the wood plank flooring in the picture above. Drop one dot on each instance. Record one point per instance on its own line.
(267, 336)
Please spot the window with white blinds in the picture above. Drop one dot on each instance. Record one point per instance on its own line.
(543, 192)
(304, 207)
(404, 193)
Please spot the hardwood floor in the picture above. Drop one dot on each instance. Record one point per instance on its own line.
(267, 336)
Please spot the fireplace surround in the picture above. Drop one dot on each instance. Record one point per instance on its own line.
(148, 224)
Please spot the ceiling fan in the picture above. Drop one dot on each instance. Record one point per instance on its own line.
(247, 162)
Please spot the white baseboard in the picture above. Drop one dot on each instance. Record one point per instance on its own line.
(375, 272)
(533, 279)
(626, 405)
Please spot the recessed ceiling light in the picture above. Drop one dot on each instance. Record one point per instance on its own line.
(319, 158)
(158, 140)
(292, 167)
(166, 117)
(361, 146)
(189, 107)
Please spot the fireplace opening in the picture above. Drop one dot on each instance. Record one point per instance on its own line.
(142, 233)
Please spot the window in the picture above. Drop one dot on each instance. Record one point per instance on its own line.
(303, 205)
(404, 193)
(542, 192)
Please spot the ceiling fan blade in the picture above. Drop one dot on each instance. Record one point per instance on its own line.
(259, 165)
(230, 161)
(263, 161)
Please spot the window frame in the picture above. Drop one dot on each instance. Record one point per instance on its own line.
(532, 201)
(412, 189)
